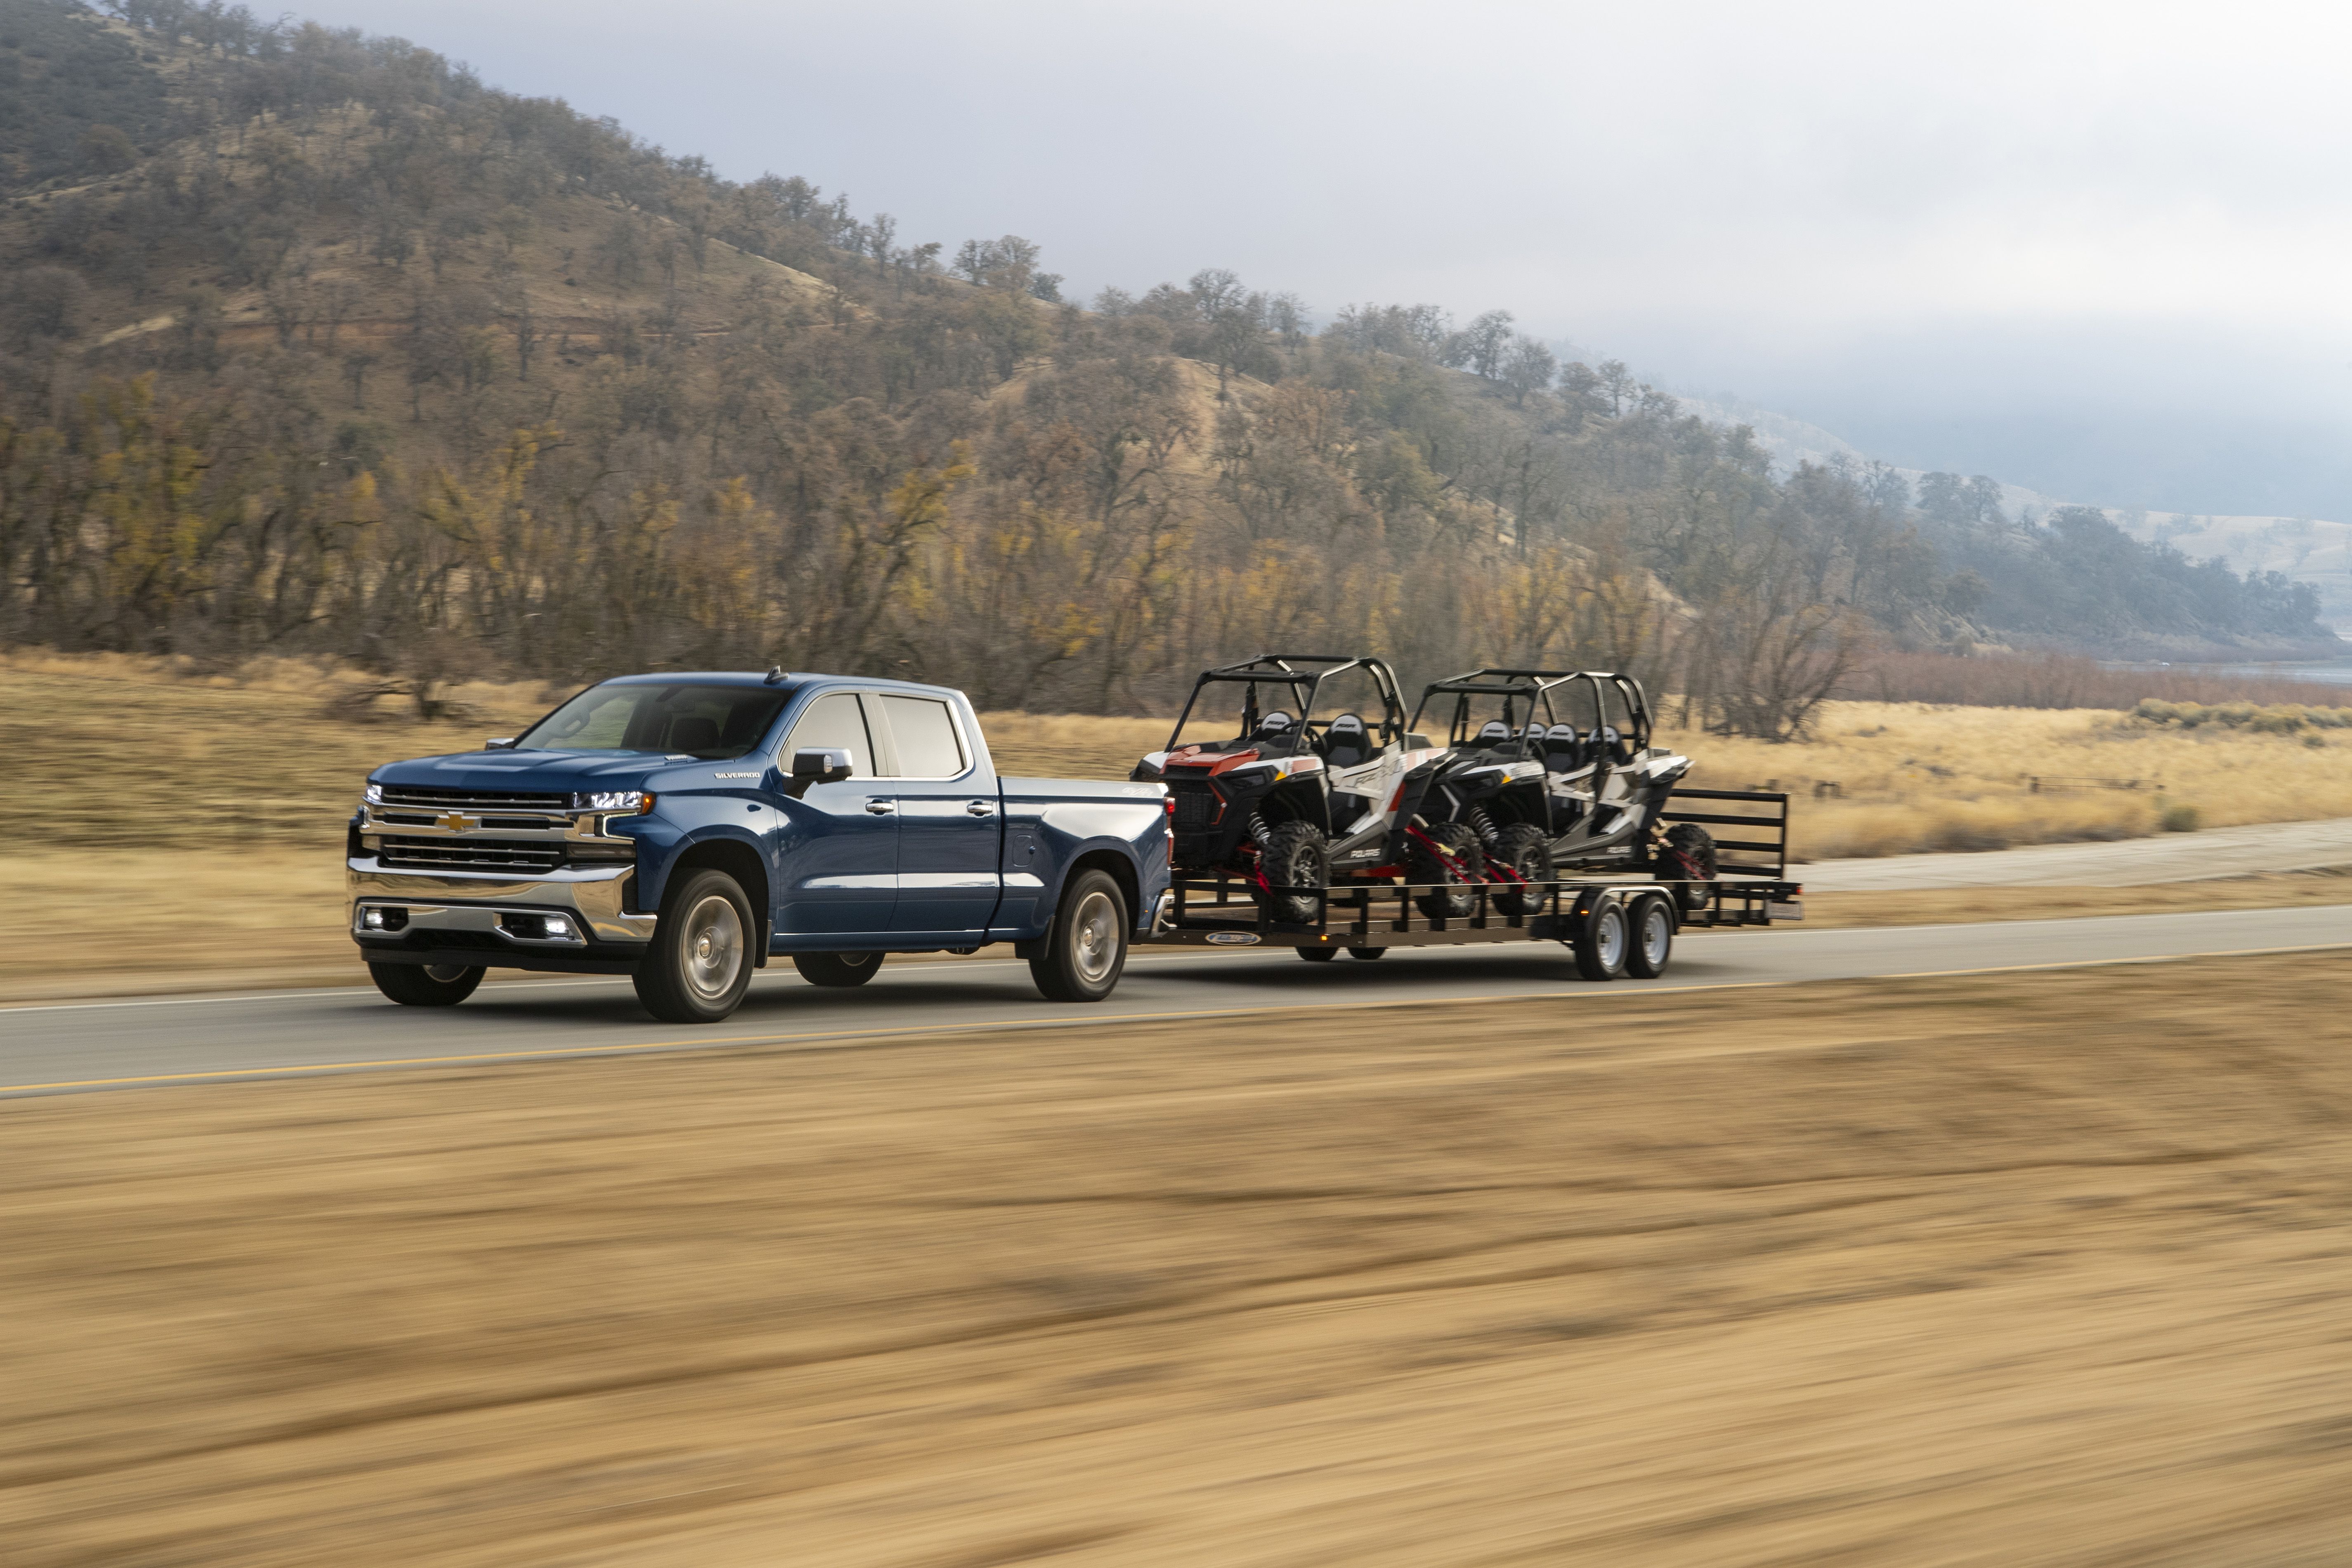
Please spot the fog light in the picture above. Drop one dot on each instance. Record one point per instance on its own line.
(554, 926)
(372, 920)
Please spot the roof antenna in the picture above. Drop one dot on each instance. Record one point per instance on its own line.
(775, 674)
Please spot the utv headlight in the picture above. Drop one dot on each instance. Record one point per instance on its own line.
(614, 800)
(375, 794)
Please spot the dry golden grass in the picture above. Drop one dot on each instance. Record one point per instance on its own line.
(133, 784)
(1956, 906)
(1915, 777)
(2027, 1270)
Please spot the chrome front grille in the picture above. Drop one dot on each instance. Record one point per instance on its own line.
(474, 800)
(404, 852)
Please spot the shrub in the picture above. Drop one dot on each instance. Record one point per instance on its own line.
(2178, 820)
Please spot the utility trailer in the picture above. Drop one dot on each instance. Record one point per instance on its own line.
(1616, 922)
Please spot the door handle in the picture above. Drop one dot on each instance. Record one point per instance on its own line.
(981, 808)
(880, 807)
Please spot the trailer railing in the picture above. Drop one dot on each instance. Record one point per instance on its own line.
(1762, 850)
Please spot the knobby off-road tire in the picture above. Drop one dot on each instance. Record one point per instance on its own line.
(1652, 946)
(1294, 855)
(1603, 940)
(1692, 844)
(837, 968)
(699, 965)
(1454, 900)
(1086, 947)
(1523, 848)
(426, 984)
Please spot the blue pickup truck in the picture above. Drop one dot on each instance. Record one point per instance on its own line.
(683, 828)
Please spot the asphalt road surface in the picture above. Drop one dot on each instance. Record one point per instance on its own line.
(65, 1048)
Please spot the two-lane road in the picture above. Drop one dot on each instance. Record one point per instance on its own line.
(63, 1048)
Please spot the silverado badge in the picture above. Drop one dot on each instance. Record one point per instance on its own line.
(456, 822)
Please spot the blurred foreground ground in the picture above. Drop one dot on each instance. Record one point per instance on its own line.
(2039, 1269)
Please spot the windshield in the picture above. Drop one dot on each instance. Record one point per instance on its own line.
(711, 723)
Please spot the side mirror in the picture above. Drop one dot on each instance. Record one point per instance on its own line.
(825, 764)
(503, 744)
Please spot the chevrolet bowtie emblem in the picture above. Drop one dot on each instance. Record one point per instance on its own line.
(457, 822)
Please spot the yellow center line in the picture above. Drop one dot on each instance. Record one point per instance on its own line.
(1112, 1020)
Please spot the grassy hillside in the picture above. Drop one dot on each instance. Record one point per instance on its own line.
(314, 346)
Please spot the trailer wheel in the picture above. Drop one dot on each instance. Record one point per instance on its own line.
(1523, 848)
(1317, 954)
(699, 963)
(1603, 942)
(426, 984)
(1367, 954)
(837, 968)
(1652, 944)
(1086, 947)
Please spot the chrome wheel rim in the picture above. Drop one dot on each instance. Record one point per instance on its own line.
(1657, 931)
(714, 948)
(1094, 937)
(1608, 938)
(444, 973)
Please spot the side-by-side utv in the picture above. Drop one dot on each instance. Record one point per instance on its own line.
(1552, 772)
(1316, 781)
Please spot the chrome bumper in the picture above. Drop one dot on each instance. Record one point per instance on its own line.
(474, 901)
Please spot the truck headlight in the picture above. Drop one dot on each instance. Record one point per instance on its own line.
(375, 794)
(634, 800)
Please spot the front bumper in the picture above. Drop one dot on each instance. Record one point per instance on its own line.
(560, 919)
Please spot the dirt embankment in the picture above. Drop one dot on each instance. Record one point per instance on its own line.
(2045, 1269)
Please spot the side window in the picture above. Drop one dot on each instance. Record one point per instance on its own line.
(925, 733)
(835, 721)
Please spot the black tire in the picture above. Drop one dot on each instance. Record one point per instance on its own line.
(700, 963)
(1650, 946)
(1368, 955)
(1317, 954)
(1086, 947)
(1523, 848)
(1295, 855)
(1453, 899)
(1689, 856)
(426, 984)
(1602, 941)
(837, 968)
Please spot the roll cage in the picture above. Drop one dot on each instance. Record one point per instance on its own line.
(1528, 710)
(1302, 675)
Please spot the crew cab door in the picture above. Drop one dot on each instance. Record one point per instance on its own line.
(950, 833)
(838, 849)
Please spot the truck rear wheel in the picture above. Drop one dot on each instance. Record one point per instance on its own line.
(426, 984)
(699, 963)
(837, 968)
(1086, 947)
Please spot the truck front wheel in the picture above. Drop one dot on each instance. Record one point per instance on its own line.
(699, 963)
(426, 984)
(1087, 946)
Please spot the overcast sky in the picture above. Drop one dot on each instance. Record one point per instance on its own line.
(2096, 250)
